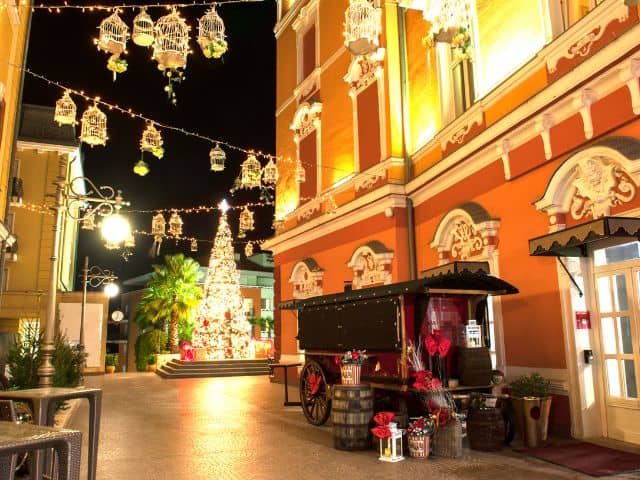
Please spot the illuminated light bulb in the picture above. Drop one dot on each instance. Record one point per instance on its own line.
(111, 290)
(115, 228)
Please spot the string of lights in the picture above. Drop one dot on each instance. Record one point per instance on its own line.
(32, 207)
(200, 209)
(57, 8)
(182, 238)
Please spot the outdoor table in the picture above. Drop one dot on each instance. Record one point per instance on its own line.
(43, 401)
(285, 366)
(20, 438)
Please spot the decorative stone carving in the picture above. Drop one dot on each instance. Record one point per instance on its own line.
(307, 279)
(466, 241)
(599, 185)
(306, 119)
(365, 69)
(371, 265)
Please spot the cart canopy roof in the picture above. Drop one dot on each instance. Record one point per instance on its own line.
(457, 277)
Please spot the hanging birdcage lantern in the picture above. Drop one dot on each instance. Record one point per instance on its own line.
(270, 173)
(194, 245)
(94, 126)
(241, 233)
(111, 245)
(448, 14)
(130, 241)
(211, 34)
(142, 34)
(246, 219)
(141, 168)
(89, 222)
(251, 172)
(300, 173)
(248, 249)
(65, 112)
(362, 25)
(175, 224)
(113, 35)
(171, 45)
(158, 224)
(217, 158)
(151, 141)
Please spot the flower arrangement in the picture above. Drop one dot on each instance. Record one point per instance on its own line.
(116, 65)
(382, 428)
(426, 381)
(215, 49)
(421, 426)
(461, 44)
(351, 357)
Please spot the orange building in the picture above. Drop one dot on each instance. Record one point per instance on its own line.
(417, 153)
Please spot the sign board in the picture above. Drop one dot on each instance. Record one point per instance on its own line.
(473, 334)
(70, 326)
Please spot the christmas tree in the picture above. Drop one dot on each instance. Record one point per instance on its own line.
(222, 328)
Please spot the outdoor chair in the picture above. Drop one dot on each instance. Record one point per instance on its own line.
(8, 462)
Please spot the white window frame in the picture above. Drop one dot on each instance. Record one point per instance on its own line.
(307, 18)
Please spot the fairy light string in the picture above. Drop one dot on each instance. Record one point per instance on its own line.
(57, 8)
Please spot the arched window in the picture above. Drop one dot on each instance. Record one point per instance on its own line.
(371, 264)
(306, 279)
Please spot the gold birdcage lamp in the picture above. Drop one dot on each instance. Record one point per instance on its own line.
(175, 224)
(211, 36)
(246, 219)
(143, 28)
(270, 173)
(362, 26)
(251, 172)
(194, 245)
(151, 139)
(171, 45)
(158, 224)
(217, 158)
(300, 173)
(65, 112)
(113, 34)
(248, 249)
(94, 126)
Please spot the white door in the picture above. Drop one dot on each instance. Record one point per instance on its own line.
(617, 354)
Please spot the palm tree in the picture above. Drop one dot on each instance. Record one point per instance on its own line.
(172, 294)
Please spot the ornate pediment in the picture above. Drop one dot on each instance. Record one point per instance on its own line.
(365, 69)
(306, 119)
(306, 278)
(371, 264)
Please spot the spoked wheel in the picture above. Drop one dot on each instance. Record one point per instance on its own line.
(314, 393)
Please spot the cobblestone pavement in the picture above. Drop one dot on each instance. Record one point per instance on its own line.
(237, 428)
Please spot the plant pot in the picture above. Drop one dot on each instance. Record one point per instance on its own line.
(350, 374)
(485, 429)
(151, 368)
(110, 368)
(532, 419)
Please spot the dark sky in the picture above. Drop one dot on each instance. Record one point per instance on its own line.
(232, 99)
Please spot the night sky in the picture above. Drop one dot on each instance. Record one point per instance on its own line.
(232, 99)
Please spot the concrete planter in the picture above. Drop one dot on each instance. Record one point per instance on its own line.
(532, 419)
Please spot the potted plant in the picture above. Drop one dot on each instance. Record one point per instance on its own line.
(418, 432)
(530, 396)
(151, 363)
(350, 364)
(110, 362)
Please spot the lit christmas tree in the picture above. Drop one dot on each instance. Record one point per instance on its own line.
(222, 328)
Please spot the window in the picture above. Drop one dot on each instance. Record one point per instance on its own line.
(573, 10)
(306, 127)
(306, 29)
(456, 79)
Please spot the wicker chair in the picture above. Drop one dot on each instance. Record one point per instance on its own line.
(8, 462)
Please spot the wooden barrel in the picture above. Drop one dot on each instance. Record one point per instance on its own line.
(485, 428)
(351, 413)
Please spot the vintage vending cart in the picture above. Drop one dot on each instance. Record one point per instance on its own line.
(386, 320)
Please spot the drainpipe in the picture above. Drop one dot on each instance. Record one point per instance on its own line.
(411, 228)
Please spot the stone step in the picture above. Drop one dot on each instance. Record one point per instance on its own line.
(217, 368)
(172, 368)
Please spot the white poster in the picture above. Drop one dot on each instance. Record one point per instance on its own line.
(70, 326)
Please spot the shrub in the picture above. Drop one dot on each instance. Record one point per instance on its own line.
(111, 359)
(533, 385)
(68, 360)
(148, 343)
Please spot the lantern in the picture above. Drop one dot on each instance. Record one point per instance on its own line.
(130, 241)
(113, 35)
(300, 173)
(248, 249)
(251, 172)
(94, 126)
(362, 25)
(89, 222)
(211, 34)
(175, 224)
(246, 219)
(242, 233)
(151, 141)
(158, 224)
(448, 14)
(142, 29)
(194, 245)
(141, 168)
(270, 173)
(65, 112)
(391, 447)
(217, 158)
(171, 45)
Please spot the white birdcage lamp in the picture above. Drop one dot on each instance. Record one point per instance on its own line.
(362, 25)
(158, 224)
(142, 34)
(151, 139)
(391, 447)
(113, 34)
(447, 14)
(217, 158)
(194, 245)
(270, 173)
(65, 112)
(211, 36)
(175, 224)
(171, 45)
(94, 126)
(248, 249)
(246, 219)
(300, 173)
(251, 172)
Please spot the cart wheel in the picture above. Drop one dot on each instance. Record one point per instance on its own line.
(314, 393)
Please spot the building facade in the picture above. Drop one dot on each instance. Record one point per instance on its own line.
(432, 148)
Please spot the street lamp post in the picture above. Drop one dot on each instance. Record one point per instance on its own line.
(94, 277)
(103, 200)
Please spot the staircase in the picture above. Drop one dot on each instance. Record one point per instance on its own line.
(216, 368)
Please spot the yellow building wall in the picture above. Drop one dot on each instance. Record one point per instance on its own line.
(286, 66)
(286, 188)
(13, 35)
(331, 31)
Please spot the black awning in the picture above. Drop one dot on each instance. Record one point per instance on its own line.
(455, 278)
(572, 242)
